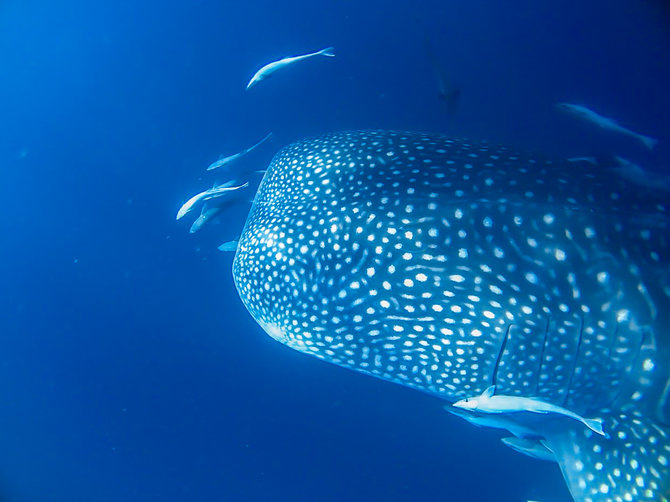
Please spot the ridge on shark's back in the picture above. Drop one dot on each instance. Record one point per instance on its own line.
(450, 266)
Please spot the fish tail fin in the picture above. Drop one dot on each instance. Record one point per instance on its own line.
(631, 465)
(328, 51)
(596, 425)
(267, 137)
(197, 224)
(649, 142)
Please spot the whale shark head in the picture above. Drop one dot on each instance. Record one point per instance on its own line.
(451, 266)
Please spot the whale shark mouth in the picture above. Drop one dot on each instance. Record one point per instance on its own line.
(449, 266)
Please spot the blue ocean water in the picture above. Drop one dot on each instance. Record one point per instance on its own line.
(129, 369)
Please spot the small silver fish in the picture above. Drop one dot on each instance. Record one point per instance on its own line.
(503, 422)
(270, 68)
(214, 192)
(534, 448)
(632, 172)
(606, 123)
(488, 402)
(232, 158)
(207, 214)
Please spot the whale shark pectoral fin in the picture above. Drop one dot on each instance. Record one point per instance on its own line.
(489, 391)
(632, 465)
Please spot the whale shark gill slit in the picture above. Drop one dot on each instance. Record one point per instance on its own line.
(541, 358)
(444, 265)
(503, 344)
(574, 361)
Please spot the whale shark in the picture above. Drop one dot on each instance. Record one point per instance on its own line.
(450, 266)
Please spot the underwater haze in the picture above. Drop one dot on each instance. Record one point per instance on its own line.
(129, 367)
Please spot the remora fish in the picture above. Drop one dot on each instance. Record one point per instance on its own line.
(448, 266)
(207, 214)
(633, 172)
(530, 447)
(525, 440)
(606, 123)
(224, 161)
(270, 68)
(215, 192)
(504, 422)
(488, 402)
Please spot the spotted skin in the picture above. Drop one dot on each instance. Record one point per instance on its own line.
(450, 265)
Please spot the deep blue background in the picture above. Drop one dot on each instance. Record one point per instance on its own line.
(129, 369)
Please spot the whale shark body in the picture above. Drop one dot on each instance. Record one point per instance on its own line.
(450, 266)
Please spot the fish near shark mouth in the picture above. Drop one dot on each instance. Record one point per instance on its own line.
(449, 265)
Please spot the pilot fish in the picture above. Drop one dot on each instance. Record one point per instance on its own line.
(449, 266)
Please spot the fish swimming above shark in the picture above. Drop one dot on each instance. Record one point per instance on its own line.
(605, 123)
(449, 266)
(270, 68)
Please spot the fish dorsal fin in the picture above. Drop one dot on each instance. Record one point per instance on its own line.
(489, 391)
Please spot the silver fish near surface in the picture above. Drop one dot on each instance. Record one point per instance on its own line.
(450, 266)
